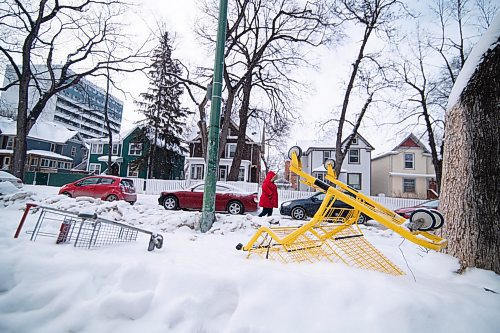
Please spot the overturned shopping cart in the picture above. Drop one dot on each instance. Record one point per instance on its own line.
(86, 230)
(333, 234)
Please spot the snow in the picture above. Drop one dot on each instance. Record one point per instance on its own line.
(113, 158)
(418, 175)
(488, 41)
(49, 154)
(200, 283)
(42, 130)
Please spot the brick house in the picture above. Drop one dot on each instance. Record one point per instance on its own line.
(250, 164)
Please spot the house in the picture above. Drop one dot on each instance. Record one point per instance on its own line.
(50, 147)
(406, 171)
(128, 157)
(250, 164)
(356, 168)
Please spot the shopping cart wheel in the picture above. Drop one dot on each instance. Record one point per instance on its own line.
(422, 219)
(159, 241)
(297, 151)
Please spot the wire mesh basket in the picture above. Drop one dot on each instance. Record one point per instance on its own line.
(83, 229)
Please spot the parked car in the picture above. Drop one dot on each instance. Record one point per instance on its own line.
(406, 211)
(299, 209)
(108, 188)
(227, 199)
(8, 177)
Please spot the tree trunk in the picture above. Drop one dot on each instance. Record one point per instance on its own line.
(470, 198)
(240, 144)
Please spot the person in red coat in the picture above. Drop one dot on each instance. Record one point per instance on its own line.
(269, 196)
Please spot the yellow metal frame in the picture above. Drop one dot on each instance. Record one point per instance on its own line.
(333, 234)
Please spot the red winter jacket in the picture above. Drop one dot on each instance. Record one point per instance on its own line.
(269, 196)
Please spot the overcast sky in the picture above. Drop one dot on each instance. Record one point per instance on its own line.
(324, 91)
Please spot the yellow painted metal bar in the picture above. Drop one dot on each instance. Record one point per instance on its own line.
(379, 213)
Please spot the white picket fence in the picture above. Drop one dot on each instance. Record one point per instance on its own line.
(156, 186)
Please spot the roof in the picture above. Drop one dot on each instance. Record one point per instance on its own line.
(42, 130)
(306, 145)
(49, 154)
(403, 146)
(247, 137)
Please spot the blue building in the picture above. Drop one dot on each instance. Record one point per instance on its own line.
(50, 147)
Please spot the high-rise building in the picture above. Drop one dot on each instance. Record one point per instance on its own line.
(79, 108)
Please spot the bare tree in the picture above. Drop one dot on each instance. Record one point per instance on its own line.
(265, 40)
(48, 32)
(374, 18)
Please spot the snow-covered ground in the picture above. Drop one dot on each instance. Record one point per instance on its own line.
(200, 283)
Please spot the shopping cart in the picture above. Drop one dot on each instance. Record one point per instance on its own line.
(85, 230)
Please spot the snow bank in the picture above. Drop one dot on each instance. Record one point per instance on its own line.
(488, 41)
(200, 283)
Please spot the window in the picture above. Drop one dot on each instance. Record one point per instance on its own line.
(320, 175)
(230, 150)
(410, 161)
(6, 162)
(114, 149)
(353, 156)
(10, 143)
(132, 171)
(241, 175)
(95, 168)
(45, 162)
(34, 162)
(53, 164)
(199, 188)
(96, 148)
(52, 147)
(408, 185)
(135, 149)
(223, 172)
(354, 180)
(327, 155)
(88, 181)
(354, 141)
(197, 171)
(106, 181)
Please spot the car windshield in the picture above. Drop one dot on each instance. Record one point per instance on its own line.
(430, 204)
(219, 188)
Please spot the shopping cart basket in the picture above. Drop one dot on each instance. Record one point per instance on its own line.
(82, 229)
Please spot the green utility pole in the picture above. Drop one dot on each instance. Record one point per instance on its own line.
(208, 213)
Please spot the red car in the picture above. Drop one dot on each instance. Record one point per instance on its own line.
(227, 199)
(108, 188)
(406, 211)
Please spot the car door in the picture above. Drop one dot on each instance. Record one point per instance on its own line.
(85, 187)
(104, 187)
(222, 197)
(194, 199)
(314, 203)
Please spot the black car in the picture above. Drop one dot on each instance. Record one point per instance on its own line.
(299, 209)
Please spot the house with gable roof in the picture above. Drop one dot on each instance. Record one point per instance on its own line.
(50, 147)
(356, 168)
(406, 171)
(250, 164)
(127, 149)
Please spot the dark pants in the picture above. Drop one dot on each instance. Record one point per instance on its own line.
(266, 211)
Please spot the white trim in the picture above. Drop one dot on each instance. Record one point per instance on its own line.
(417, 175)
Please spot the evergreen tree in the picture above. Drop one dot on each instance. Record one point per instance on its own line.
(164, 117)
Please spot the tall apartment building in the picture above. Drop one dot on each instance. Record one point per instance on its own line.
(78, 108)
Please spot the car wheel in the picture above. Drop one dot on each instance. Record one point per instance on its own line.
(66, 194)
(111, 198)
(235, 208)
(170, 202)
(298, 213)
(362, 219)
